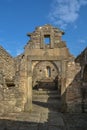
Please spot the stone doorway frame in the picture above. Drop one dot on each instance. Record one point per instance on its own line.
(62, 72)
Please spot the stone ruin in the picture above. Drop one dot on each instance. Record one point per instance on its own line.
(46, 64)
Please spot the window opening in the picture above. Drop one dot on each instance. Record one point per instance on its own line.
(48, 71)
(47, 39)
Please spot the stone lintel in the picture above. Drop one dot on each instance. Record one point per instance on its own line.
(48, 58)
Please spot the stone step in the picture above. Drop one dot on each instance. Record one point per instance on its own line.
(47, 99)
(35, 96)
(41, 92)
(54, 101)
(49, 104)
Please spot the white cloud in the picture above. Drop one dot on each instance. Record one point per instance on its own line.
(64, 12)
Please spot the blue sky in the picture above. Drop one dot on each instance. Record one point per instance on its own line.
(18, 17)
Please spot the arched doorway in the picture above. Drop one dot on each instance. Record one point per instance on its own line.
(45, 76)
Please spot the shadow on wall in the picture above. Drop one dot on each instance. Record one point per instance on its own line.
(76, 95)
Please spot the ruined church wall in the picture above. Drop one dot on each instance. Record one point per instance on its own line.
(6, 64)
(12, 98)
(21, 79)
(63, 52)
(73, 87)
(7, 72)
(82, 60)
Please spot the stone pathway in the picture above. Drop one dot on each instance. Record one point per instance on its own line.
(33, 121)
(76, 121)
(44, 120)
(45, 115)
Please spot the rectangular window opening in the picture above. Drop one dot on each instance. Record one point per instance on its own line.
(47, 39)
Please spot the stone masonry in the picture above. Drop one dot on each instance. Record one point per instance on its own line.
(46, 64)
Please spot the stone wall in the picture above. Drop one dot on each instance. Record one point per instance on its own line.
(21, 79)
(10, 94)
(37, 50)
(82, 60)
(6, 64)
(37, 38)
(36, 46)
(7, 73)
(76, 85)
(73, 85)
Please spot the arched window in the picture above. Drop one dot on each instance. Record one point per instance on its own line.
(48, 71)
(85, 74)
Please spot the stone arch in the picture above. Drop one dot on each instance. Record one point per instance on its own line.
(52, 62)
(45, 73)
